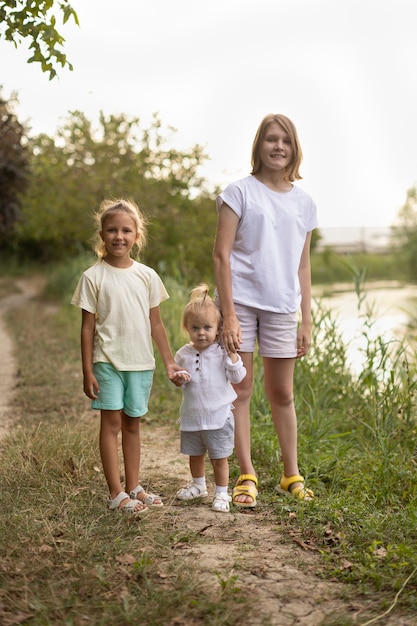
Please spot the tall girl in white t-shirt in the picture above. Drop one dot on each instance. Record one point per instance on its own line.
(262, 269)
(120, 299)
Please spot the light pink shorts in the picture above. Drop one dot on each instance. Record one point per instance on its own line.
(276, 333)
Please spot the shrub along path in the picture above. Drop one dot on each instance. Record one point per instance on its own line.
(244, 550)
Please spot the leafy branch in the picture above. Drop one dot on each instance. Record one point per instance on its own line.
(36, 21)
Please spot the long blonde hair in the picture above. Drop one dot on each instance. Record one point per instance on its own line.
(292, 172)
(110, 207)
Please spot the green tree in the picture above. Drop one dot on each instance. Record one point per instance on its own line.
(82, 164)
(404, 234)
(316, 237)
(14, 162)
(35, 21)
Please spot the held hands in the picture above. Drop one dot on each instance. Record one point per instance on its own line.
(303, 340)
(181, 378)
(178, 375)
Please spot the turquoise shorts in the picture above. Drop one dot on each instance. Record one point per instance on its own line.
(122, 391)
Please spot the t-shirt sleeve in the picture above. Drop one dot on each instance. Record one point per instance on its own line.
(157, 292)
(85, 295)
(313, 221)
(178, 358)
(233, 197)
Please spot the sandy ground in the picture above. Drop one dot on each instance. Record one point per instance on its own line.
(243, 547)
(8, 367)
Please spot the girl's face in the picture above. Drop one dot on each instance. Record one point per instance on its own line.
(203, 328)
(119, 235)
(275, 149)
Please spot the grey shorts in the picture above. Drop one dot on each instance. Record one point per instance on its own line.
(276, 333)
(217, 443)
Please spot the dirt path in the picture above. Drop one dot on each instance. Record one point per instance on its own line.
(243, 549)
(25, 289)
(248, 549)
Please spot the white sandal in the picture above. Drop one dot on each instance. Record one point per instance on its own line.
(130, 507)
(191, 491)
(221, 503)
(150, 499)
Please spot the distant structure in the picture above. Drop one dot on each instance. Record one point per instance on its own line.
(347, 240)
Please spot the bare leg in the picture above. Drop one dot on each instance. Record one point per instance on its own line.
(242, 424)
(131, 450)
(197, 487)
(197, 466)
(131, 454)
(111, 423)
(279, 375)
(221, 472)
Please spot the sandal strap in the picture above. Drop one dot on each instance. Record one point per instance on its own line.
(244, 477)
(131, 506)
(150, 499)
(223, 496)
(136, 490)
(302, 493)
(221, 502)
(246, 490)
(287, 481)
(115, 503)
(191, 491)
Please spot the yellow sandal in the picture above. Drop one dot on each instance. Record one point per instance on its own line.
(245, 490)
(301, 493)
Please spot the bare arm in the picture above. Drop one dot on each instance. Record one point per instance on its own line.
(160, 338)
(227, 224)
(88, 325)
(304, 275)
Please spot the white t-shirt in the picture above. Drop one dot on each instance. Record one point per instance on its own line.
(121, 299)
(269, 241)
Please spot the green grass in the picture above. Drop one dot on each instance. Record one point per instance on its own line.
(358, 450)
(330, 267)
(65, 560)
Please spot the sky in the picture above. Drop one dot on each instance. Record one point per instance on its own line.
(343, 71)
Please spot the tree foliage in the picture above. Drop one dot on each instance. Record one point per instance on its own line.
(316, 237)
(14, 162)
(72, 172)
(404, 233)
(35, 21)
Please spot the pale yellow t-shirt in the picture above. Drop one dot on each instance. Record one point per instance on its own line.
(121, 299)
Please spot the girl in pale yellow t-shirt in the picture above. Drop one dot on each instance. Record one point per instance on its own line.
(119, 298)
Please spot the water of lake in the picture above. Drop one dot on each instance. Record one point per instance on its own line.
(392, 306)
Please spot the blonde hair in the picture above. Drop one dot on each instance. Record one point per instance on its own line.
(292, 172)
(200, 301)
(107, 209)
